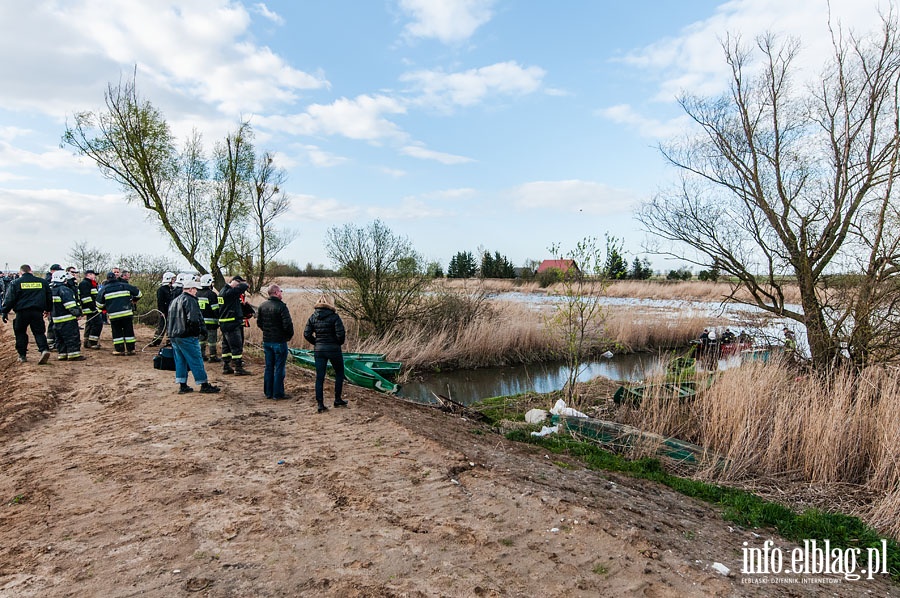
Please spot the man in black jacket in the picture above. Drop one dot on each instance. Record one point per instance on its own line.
(28, 296)
(325, 331)
(118, 297)
(185, 322)
(274, 319)
(163, 299)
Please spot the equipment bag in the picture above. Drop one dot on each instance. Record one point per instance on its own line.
(165, 359)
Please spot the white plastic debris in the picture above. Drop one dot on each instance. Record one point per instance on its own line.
(535, 416)
(720, 569)
(607, 355)
(554, 530)
(546, 430)
(561, 409)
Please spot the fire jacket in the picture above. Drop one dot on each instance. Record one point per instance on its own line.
(87, 290)
(116, 298)
(208, 300)
(65, 306)
(231, 313)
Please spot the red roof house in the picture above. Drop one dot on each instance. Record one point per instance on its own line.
(561, 265)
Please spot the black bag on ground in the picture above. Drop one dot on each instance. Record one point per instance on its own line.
(165, 359)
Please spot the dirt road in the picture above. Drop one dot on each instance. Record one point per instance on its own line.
(112, 484)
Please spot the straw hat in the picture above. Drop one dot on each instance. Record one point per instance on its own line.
(324, 301)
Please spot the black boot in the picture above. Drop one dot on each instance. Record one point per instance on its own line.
(239, 368)
(340, 403)
(226, 367)
(184, 388)
(206, 387)
(321, 408)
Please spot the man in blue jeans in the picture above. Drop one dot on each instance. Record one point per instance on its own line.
(274, 319)
(184, 323)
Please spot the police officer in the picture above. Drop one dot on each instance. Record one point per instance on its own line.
(231, 322)
(209, 306)
(64, 315)
(93, 325)
(28, 296)
(118, 297)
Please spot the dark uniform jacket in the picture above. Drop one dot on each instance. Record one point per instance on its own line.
(65, 306)
(28, 292)
(164, 297)
(209, 307)
(116, 298)
(274, 319)
(185, 319)
(325, 330)
(231, 313)
(87, 291)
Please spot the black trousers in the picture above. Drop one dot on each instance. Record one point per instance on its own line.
(34, 319)
(122, 333)
(93, 327)
(232, 342)
(68, 339)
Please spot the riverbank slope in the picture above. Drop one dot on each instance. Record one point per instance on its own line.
(112, 484)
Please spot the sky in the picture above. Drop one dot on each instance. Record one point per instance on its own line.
(463, 125)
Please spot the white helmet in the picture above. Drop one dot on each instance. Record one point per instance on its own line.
(70, 276)
(58, 276)
(167, 277)
(206, 280)
(179, 280)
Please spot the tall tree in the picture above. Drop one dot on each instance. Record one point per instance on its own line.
(789, 180)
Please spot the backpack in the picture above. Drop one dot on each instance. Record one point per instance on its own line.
(165, 359)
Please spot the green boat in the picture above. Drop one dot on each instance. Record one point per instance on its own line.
(359, 373)
(363, 369)
(678, 390)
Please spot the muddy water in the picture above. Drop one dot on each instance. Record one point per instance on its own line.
(469, 386)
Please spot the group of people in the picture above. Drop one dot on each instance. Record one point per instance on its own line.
(193, 315)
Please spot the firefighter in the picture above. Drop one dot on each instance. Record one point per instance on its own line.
(231, 322)
(118, 297)
(163, 299)
(209, 306)
(93, 324)
(28, 296)
(51, 333)
(64, 315)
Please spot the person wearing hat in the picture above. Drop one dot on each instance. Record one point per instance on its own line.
(163, 300)
(231, 320)
(118, 297)
(30, 297)
(325, 332)
(185, 321)
(93, 324)
(274, 319)
(209, 305)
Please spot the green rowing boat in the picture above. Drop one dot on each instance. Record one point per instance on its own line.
(362, 369)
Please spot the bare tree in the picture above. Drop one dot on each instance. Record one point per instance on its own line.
(85, 257)
(787, 183)
(384, 274)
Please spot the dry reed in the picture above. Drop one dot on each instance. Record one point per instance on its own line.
(770, 423)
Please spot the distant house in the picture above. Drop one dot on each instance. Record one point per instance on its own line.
(561, 265)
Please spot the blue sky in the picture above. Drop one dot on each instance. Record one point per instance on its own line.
(508, 125)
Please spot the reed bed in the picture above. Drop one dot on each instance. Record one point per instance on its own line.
(769, 423)
(509, 333)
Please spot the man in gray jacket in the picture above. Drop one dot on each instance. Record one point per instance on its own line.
(185, 322)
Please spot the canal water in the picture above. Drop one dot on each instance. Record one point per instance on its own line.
(469, 386)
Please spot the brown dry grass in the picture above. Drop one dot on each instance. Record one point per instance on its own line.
(513, 334)
(771, 423)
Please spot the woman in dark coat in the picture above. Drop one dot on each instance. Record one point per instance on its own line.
(325, 331)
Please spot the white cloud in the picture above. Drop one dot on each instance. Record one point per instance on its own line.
(574, 196)
(394, 172)
(322, 159)
(445, 90)
(410, 208)
(647, 127)
(67, 52)
(53, 159)
(449, 21)
(360, 118)
(308, 207)
(263, 10)
(423, 153)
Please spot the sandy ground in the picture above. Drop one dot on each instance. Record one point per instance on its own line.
(112, 484)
